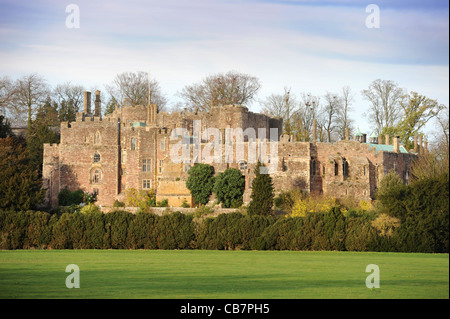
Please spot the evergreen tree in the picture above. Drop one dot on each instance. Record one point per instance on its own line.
(111, 105)
(40, 133)
(229, 188)
(5, 127)
(200, 182)
(20, 188)
(262, 192)
(48, 113)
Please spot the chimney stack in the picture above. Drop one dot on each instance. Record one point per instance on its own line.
(386, 139)
(364, 138)
(396, 144)
(98, 102)
(380, 139)
(314, 130)
(87, 102)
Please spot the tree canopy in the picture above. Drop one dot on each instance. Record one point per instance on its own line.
(201, 182)
(221, 89)
(229, 188)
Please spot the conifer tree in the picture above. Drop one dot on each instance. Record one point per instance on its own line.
(229, 188)
(201, 182)
(20, 187)
(262, 192)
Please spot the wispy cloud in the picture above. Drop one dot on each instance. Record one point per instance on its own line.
(308, 45)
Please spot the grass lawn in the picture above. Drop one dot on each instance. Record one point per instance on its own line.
(221, 274)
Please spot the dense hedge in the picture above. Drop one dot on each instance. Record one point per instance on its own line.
(123, 230)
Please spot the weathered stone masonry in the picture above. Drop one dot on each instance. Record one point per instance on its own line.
(130, 148)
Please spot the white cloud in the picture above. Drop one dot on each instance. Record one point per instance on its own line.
(308, 48)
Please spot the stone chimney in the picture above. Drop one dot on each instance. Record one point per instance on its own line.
(98, 103)
(314, 131)
(386, 139)
(380, 139)
(364, 138)
(87, 102)
(396, 144)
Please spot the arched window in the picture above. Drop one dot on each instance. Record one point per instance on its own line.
(133, 143)
(336, 169)
(344, 167)
(96, 176)
(96, 157)
(242, 165)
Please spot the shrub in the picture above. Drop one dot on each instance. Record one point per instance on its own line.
(229, 188)
(185, 204)
(117, 225)
(203, 210)
(175, 231)
(95, 230)
(312, 204)
(262, 192)
(201, 182)
(140, 198)
(77, 230)
(163, 203)
(286, 199)
(359, 235)
(90, 198)
(90, 208)
(143, 231)
(118, 204)
(385, 225)
(61, 238)
(68, 198)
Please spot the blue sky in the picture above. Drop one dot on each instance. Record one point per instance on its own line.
(309, 46)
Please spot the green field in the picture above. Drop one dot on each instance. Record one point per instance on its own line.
(221, 274)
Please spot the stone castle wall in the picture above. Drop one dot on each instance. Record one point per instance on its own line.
(131, 148)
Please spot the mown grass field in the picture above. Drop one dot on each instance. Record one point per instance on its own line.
(221, 274)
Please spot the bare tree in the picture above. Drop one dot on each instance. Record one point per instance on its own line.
(7, 94)
(137, 89)
(385, 97)
(70, 99)
(283, 106)
(221, 89)
(442, 135)
(32, 91)
(343, 120)
(307, 112)
(329, 112)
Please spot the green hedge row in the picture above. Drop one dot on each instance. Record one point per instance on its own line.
(123, 230)
(95, 230)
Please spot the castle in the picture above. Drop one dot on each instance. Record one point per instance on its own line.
(134, 147)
